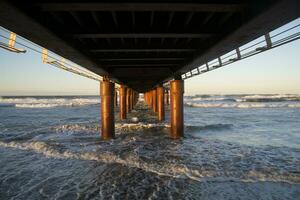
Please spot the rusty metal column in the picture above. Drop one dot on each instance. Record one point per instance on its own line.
(154, 100)
(122, 97)
(107, 109)
(160, 103)
(147, 98)
(116, 98)
(131, 99)
(151, 98)
(127, 100)
(167, 97)
(176, 107)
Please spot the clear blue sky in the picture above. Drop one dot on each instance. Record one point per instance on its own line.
(274, 71)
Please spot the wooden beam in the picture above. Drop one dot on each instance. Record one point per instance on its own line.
(143, 35)
(165, 65)
(140, 50)
(161, 7)
(141, 59)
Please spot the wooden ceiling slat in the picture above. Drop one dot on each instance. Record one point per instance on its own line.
(172, 7)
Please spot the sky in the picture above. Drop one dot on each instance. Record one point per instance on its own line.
(276, 71)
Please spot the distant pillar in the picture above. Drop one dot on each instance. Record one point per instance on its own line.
(147, 98)
(107, 109)
(116, 98)
(154, 100)
(176, 107)
(160, 103)
(131, 99)
(150, 98)
(128, 100)
(167, 97)
(122, 98)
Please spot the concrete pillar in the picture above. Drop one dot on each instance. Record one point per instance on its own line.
(128, 100)
(154, 100)
(107, 109)
(122, 102)
(176, 107)
(160, 103)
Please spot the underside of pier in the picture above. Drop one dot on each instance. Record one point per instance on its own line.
(143, 44)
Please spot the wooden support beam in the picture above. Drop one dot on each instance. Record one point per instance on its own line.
(139, 50)
(142, 59)
(158, 65)
(161, 7)
(143, 35)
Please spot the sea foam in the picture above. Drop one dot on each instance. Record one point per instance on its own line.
(47, 102)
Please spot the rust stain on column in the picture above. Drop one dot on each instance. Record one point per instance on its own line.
(122, 102)
(160, 103)
(107, 109)
(128, 100)
(176, 107)
(154, 100)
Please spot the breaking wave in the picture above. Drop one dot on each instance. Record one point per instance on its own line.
(37, 102)
(178, 169)
(243, 105)
(269, 98)
(243, 98)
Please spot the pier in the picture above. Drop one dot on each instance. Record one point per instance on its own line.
(145, 49)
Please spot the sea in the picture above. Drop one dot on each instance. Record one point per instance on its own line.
(234, 147)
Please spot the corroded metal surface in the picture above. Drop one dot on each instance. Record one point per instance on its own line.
(176, 107)
(160, 104)
(154, 100)
(122, 102)
(167, 100)
(128, 100)
(107, 109)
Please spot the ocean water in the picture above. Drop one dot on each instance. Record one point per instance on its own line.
(235, 147)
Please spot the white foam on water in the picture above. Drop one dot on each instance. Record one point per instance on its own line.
(206, 99)
(165, 168)
(47, 102)
(243, 105)
(276, 97)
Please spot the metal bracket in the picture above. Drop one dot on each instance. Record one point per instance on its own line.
(11, 43)
(62, 65)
